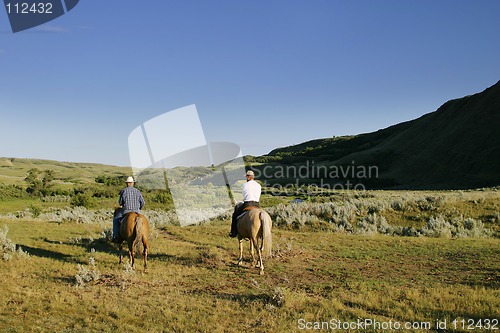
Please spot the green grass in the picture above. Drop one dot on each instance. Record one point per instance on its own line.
(194, 285)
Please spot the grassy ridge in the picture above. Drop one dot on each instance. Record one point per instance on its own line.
(194, 285)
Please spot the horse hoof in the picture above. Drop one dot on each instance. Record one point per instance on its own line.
(261, 273)
(240, 262)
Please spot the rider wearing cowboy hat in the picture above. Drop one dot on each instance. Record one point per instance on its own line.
(131, 200)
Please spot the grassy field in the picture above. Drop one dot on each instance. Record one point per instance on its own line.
(194, 285)
(341, 259)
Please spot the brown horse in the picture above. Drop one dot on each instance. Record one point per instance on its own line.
(134, 229)
(254, 225)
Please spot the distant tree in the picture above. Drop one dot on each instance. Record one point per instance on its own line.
(110, 180)
(47, 178)
(34, 182)
(39, 182)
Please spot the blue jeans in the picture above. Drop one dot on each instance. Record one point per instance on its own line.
(116, 224)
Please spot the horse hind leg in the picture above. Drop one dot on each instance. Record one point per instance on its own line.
(253, 246)
(259, 253)
(121, 253)
(240, 259)
(145, 253)
(261, 264)
(131, 254)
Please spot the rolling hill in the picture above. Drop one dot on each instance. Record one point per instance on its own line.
(455, 147)
(14, 170)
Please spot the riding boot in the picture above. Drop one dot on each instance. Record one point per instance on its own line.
(234, 228)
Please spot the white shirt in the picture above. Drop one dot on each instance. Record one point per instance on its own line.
(251, 191)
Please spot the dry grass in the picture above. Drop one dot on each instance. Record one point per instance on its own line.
(194, 284)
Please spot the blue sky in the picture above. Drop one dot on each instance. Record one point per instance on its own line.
(263, 74)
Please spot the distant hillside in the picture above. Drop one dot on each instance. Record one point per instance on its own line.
(455, 147)
(14, 170)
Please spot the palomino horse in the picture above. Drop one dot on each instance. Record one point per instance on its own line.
(255, 224)
(134, 229)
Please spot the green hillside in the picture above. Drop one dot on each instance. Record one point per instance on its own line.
(455, 147)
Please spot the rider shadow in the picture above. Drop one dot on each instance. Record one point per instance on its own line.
(102, 245)
(43, 253)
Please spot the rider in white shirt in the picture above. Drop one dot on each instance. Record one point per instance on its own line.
(251, 196)
(251, 189)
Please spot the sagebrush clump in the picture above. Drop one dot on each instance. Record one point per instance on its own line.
(8, 248)
(86, 274)
(366, 215)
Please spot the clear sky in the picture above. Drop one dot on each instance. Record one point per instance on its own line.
(263, 74)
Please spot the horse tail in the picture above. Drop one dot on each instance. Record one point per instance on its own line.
(267, 239)
(139, 230)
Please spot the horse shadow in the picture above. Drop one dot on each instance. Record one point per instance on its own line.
(172, 259)
(98, 245)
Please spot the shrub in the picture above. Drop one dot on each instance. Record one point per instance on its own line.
(457, 227)
(7, 247)
(398, 206)
(11, 191)
(472, 228)
(437, 227)
(87, 274)
(35, 210)
(277, 298)
(107, 234)
(82, 200)
(56, 198)
(367, 225)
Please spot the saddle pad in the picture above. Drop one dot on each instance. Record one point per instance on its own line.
(241, 215)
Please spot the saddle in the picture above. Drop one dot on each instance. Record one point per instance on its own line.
(124, 216)
(246, 210)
